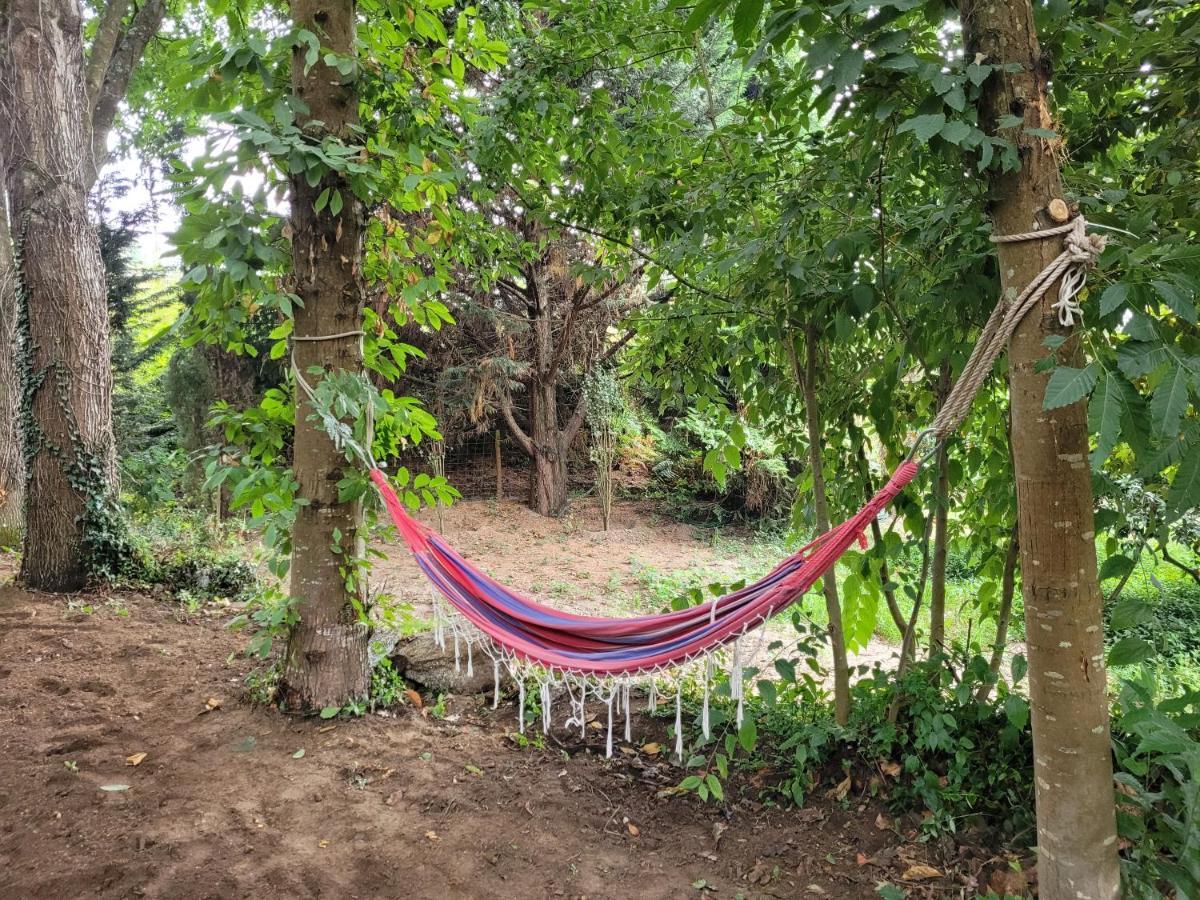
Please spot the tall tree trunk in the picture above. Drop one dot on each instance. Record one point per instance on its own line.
(12, 467)
(941, 537)
(833, 606)
(67, 409)
(1077, 840)
(326, 659)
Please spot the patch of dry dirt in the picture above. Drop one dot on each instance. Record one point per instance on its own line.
(407, 806)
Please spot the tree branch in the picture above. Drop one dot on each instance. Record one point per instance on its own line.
(124, 58)
(518, 433)
(108, 32)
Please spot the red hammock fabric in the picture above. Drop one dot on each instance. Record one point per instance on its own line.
(606, 646)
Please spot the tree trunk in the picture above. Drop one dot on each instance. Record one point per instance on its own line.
(1008, 589)
(12, 467)
(833, 606)
(326, 658)
(549, 455)
(941, 510)
(1077, 840)
(885, 574)
(67, 407)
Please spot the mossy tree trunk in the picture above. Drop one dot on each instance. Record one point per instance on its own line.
(1077, 840)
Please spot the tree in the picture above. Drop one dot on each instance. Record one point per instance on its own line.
(561, 322)
(12, 468)
(1077, 839)
(59, 111)
(326, 657)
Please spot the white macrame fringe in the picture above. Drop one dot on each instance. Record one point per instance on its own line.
(613, 691)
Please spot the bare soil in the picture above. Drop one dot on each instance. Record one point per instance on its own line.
(409, 804)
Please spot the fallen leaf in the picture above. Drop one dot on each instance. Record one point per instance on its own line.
(883, 823)
(113, 788)
(414, 698)
(135, 760)
(843, 788)
(322, 844)
(919, 872)
(633, 829)
(761, 873)
(211, 703)
(245, 745)
(325, 728)
(861, 859)
(394, 797)
(892, 769)
(299, 754)
(432, 835)
(651, 749)
(474, 770)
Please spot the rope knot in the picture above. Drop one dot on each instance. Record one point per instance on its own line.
(1082, 251)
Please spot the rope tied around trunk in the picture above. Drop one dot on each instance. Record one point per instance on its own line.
(1080, 253)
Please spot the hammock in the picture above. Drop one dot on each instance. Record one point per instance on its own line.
(603, 646)
(603, 653)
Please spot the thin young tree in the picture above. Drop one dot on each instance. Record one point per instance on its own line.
(326, 658)
(57, 110)
(1077, 840)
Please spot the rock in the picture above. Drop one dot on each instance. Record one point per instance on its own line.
(419, 659)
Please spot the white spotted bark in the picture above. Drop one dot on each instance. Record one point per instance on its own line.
(1077, 840)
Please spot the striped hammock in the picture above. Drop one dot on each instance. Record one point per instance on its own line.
(606, 647)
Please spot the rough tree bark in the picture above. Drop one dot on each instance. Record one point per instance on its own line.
(1077, 841)
(12, 469)
(326, 659)
(67, 410)
(833, 606)
(941, 537)
(52, 127)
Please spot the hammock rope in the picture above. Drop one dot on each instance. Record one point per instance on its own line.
(576, 651)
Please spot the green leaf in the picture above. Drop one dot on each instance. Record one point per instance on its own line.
(1184, 493)
(330, 711)
(1138, 358)
(1016, 709)
(1181, 304)
(1130, 651)
(322, 200)
(335, 203)
(1116, 566)
(1129, 612)
(1113, 298)
(923, 127)
(714, 785)
(748, 735)
(745, 18)
(704, 11)
(299, 754)
(1018, 668)
(847, 68)
(114, 788)
(1169, 402)
(955, 131)
(1068, 385)
(1104, 416)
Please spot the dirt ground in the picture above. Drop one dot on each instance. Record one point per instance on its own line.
(222, 803)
